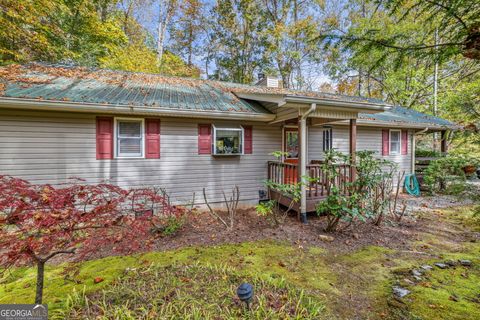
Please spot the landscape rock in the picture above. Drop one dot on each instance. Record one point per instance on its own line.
(326, 238)
(408, 281)
(400, 292)
(426, 267)
(441, 265)
(451, 263)
(465, 263)
(417, 278)
(416, 273)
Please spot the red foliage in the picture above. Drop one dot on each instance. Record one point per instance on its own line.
(38, 222)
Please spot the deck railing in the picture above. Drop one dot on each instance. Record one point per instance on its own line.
(320, 186)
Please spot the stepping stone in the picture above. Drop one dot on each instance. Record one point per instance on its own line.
(450, 263)
(465, 263)
(426, 267)
(400, 292)
(441, 265)
(416, 273)
(417, 278)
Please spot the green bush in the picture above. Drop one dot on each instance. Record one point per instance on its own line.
(428, 153)
(448, 170)
(173, 225)
(369, 196)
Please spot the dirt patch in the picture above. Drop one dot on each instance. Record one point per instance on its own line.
(202, 229)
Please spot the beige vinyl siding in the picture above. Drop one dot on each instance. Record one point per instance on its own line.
(50, 147)
(368, 138)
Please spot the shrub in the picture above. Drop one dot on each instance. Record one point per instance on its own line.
(447, 170)
(172, 225)
(370, 195)
(39, 222)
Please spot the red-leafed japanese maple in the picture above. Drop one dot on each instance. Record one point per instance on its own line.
(39, 222)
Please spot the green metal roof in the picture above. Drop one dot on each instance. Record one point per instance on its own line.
(105, 87)
(406, 117)
(59, 83)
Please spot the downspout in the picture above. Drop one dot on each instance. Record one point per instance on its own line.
(303, 161)
(414, 147)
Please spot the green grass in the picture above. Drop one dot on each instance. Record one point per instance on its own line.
(193, 292)
(291, 282)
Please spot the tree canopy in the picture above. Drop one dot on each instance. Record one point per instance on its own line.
(98, 33)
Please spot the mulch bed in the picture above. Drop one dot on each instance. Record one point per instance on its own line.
(201, 229)
(204, 230)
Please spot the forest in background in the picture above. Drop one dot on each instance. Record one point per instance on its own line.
(401, 51)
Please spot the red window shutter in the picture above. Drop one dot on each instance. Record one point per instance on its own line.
(248, 141)
(152, 138)
(104, 138)
(204, 139)
(404, 142)
(385, 142)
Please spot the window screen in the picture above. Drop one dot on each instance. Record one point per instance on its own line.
(395, 138)
(327, 139)
(129, 138)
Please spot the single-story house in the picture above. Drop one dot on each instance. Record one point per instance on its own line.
(136, 129)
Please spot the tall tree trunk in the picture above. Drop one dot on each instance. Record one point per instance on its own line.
(40, 277)
(164, 16)
(161, 35)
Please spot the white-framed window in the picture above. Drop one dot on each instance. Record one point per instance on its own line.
(327, 139)
(395, 141)
(228, 141)
(129, 138)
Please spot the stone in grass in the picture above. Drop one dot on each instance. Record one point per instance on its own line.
(441, 265)
(426, 267)
(400, 292)
(417, 278)
(450, 263)
(416, 273)
(465, 263)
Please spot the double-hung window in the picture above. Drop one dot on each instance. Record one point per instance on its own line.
(327, 139)
(395, 141)
(129, 138)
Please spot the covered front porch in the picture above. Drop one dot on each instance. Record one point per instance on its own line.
(317, 189)
(297, 164)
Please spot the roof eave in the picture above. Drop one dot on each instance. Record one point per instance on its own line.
(408, 125)
(68, 106)
(366, 107)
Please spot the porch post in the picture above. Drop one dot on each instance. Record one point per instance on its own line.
(302, 161)
(443, 146)
(302, 164)
(353, 147)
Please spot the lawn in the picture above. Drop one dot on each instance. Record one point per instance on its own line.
(291, 280)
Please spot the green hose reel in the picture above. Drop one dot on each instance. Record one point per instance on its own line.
(411, 185)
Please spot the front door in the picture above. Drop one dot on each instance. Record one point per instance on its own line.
(291, 148)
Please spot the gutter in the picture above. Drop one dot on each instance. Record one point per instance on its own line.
(34, 104)
(337, 103)
(389, 124)
(303, 161)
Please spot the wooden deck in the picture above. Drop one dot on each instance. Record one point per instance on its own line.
(317, 189)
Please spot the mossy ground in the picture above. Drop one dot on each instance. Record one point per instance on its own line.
(351, 285)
